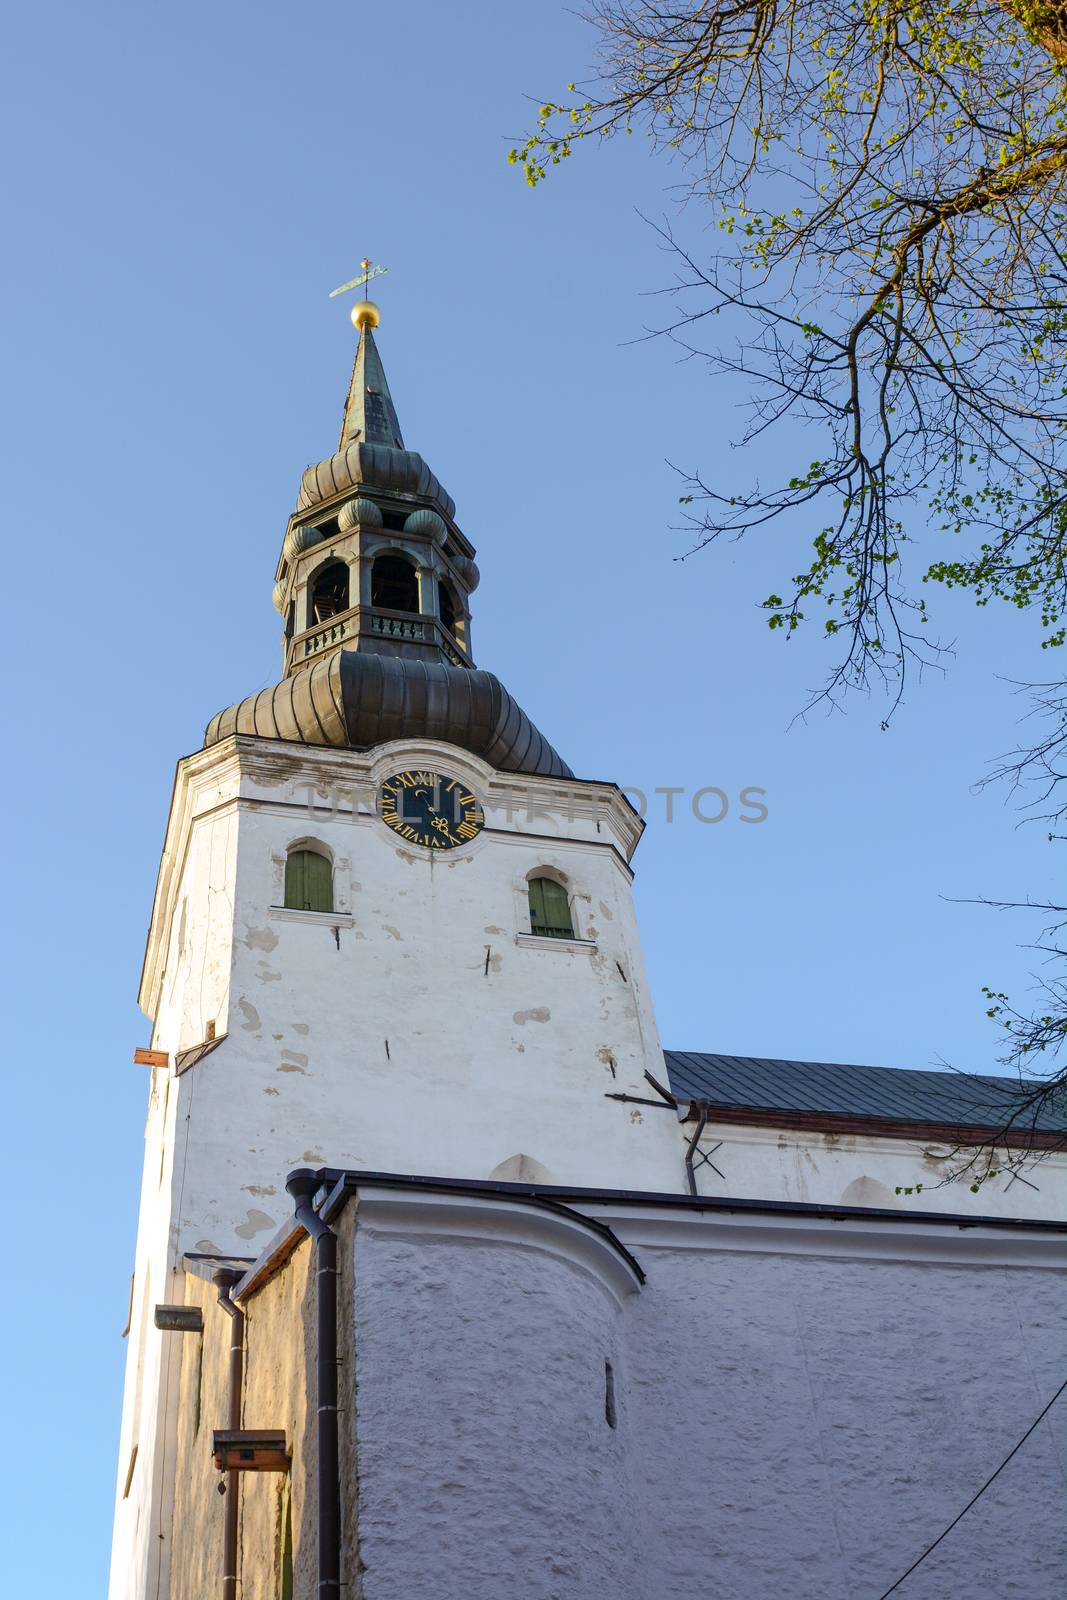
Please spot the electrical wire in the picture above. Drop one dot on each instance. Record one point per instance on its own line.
(978, 1496)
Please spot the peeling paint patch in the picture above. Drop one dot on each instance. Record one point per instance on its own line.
(605, 912)
(265, 974)
(260, 1190)
(255, 1222)
(300, 1027)
(293, 1061)
(312, 1155)
(261, 939)
(635, 1115)
(491, 929)
(208, 1247)
(394, 933)
(272, 1091)
(534, 1014)
(605, 1055)
(252, 1023)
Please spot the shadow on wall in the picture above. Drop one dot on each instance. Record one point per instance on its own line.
(521, 1169)
(868, 1192)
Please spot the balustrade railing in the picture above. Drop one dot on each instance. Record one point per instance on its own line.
(324, 638)
(391, 627)
(382, 624)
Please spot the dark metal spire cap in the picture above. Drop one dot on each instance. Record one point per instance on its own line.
(357, 700)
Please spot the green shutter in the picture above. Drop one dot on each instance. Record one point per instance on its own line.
(318, 882)
(308, 881)
(294, 879)
(550, 911)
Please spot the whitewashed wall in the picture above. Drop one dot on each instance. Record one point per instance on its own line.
(414, 1030)
(760, 1163)
(194, 964)
(801, 1408)
(417, 1028)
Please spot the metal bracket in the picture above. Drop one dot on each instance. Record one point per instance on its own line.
(695, 1157)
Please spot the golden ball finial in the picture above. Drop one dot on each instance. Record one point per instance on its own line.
(365, 314)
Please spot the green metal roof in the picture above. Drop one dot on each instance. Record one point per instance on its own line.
(888, 1094)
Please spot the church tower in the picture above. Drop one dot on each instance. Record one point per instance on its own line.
(392, 930)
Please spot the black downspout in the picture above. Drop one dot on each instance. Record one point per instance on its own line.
(225, 1279)
(302, 1185)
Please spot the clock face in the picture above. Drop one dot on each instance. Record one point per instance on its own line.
(431, 809)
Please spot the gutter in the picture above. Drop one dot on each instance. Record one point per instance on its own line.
(303, 1184)
(340, 1179)
(342, 1182)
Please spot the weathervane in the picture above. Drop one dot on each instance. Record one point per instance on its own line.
(369, 271)
(364, 313)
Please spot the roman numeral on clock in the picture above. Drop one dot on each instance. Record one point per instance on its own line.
(430, 809)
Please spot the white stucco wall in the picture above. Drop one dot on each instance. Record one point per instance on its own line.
(480, 1383)
(802, 1406)
(194, 946)
(414, 1030)
(418, 1028)
(761, 1163)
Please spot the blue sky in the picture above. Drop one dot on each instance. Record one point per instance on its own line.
(185, 185)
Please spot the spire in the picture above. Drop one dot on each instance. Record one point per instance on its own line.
(370, 416)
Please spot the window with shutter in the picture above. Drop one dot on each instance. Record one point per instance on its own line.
(550, 911)
(308, 881)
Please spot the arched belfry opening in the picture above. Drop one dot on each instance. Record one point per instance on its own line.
(329, 593)
(451, 612)
(394, 584)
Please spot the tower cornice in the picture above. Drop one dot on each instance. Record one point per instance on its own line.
(271, 774)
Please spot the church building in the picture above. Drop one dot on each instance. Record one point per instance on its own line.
(450, 1280)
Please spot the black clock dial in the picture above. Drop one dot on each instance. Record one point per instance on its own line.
(430, 809)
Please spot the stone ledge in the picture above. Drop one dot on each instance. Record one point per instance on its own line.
(328, 919)
(541, 941)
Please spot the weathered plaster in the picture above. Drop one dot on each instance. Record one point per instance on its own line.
(762, 1163)
(787, 1421)
(799, 1405)
(403, 1033)
(395, 1044)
